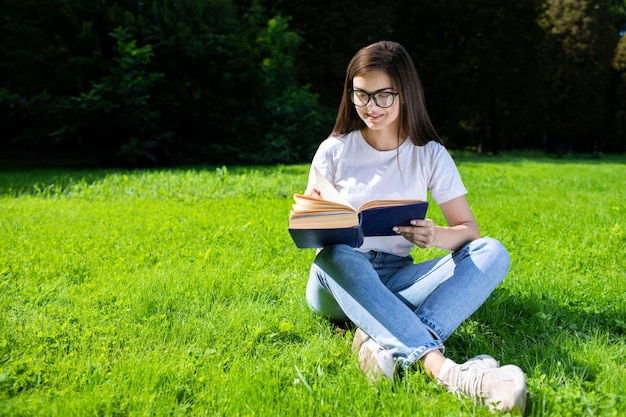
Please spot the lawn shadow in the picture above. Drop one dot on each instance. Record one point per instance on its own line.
(533, 331)
(16, 181)
(539, 157)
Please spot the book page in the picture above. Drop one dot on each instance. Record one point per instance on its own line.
(305, 204)
(329, 192)
(388, 203)
(324, 221)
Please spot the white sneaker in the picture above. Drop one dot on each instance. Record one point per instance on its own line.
(502, 388)
(374, 360)
(360, 337)
(483, 361)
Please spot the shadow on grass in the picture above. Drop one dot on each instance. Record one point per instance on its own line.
(44, 181)
(17, 180)
(542, 335)
(539, 157)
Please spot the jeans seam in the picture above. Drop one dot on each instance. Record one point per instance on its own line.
(431, 326)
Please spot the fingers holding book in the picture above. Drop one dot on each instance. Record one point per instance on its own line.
(313, 192)
(421, 232)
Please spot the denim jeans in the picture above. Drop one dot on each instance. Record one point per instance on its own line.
(407, 308)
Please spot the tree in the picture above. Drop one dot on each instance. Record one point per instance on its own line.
(258, 81)
(579, 47)
(47, 53)
(616, 143)
(117, 118)
(331, 33)
(478, 64)
(158, 81)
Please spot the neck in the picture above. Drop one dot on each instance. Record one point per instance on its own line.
(382, 140)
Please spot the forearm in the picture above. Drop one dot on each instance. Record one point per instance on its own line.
(453, 238)
(425, 234)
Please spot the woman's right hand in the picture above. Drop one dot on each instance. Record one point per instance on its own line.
(313, 192)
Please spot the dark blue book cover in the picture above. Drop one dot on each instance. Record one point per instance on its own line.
(378, 221)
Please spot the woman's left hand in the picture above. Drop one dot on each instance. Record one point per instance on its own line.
(421, 232)
(462, 227)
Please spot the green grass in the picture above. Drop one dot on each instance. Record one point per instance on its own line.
(179, 292)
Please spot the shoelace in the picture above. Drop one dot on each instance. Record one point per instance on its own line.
(468, 381)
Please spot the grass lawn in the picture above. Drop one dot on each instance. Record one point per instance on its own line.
(179, 292)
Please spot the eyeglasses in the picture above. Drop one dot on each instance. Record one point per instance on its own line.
(382, 99)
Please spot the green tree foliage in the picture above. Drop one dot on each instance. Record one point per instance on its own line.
(117, 114)
(47, 53)
(580, 43)
(478, 62)
(494, 72)
(258, 81)
(617, 9)
(288, 107)
(619, 97)
(157, 81)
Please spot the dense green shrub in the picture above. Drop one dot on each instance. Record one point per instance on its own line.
(157, 82)
(257, 81)
(116, 117)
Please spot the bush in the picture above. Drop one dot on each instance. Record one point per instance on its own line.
(164, 82)
(117, 114)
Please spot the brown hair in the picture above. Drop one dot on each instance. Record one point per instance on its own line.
(393, 59)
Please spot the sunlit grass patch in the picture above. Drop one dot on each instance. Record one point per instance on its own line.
(180, 292)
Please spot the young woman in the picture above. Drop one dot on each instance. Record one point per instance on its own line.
(384, 146)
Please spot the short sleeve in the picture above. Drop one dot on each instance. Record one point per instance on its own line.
(445, 181)
(325, 160)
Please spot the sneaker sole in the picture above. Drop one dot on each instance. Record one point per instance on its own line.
(360, 337)
(517, 376)
(374, 360)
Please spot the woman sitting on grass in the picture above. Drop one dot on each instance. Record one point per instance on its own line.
(383, 146)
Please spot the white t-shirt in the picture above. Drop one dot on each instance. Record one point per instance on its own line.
(361, 173)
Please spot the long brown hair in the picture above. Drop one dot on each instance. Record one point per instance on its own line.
(394, 60)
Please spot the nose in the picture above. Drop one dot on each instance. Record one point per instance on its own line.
(371, 103)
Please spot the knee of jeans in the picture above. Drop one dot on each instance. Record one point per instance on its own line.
(333, 251)
(320, 299)
(342, 264)
(334, 254)
(498, 255)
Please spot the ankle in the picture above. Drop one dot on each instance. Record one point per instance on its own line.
(433, 361)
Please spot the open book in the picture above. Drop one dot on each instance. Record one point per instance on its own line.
(315, 223)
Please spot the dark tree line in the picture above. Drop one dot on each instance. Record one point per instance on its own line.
(258, 81)
(534, 74)
(158, 81)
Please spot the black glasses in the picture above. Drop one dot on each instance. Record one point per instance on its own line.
(382, 99)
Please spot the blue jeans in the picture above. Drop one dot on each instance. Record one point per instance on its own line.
(407, 308)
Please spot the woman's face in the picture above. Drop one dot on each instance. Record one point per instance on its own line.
(375, 117)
